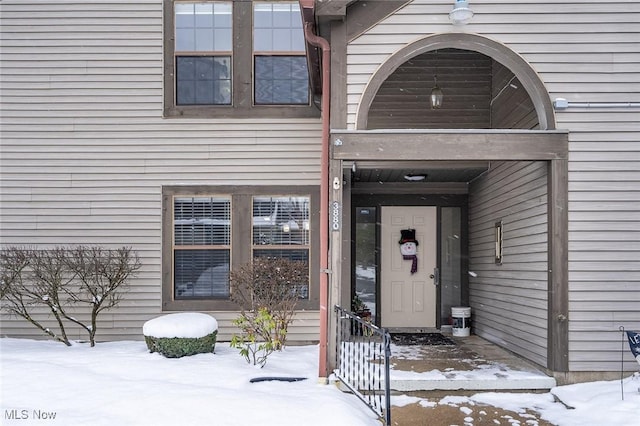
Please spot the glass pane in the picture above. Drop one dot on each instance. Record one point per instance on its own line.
(299, 255)
(297, 40)
(451, 262)
(204, 39)
(204, 15)
(203, 80)
(281, 221)
(282, 15)
(281, 40)
(203, 27)
(262, 15)
(365, 257)
(284, 22)
(202, 221)
(201, 273)
(221, 39)
(263, 39)
(281, 80)
(185, 16)
(185, 39)
(222, 15)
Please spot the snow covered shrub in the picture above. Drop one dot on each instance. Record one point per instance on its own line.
(64, 280)
(183, 334)
(177, 347)
(273, 286)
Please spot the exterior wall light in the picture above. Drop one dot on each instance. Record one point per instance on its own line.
(461, 14)
(436, 95)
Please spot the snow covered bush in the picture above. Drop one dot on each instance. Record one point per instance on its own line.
(183, 334)
(66, 281)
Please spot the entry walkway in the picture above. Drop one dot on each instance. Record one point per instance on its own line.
(472, 364)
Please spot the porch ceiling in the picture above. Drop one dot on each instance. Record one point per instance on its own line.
(397, 172)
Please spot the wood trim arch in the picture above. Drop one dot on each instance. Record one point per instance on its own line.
(498, 51)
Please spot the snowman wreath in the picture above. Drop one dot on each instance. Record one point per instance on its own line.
(409, 247)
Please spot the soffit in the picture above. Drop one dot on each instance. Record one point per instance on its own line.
(433, 171)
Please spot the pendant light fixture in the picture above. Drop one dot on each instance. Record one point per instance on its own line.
(436, 93)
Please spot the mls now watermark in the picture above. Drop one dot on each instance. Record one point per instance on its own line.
(35, 414)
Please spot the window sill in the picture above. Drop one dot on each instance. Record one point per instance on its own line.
(258, 111)
(221, 305)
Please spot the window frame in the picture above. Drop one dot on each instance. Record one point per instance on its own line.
(241, 239)
(242, 82)
(272, 52)
(175, 248)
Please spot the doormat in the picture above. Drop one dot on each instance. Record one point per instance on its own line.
(421, 339)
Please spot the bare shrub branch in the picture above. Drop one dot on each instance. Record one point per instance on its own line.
(272, 284)
(34, 278)
(63, 278)
(102, 276)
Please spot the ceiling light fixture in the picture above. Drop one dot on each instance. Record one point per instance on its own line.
(415, 178)
(461, 14)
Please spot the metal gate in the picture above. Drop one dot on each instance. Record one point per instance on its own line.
(362, 361)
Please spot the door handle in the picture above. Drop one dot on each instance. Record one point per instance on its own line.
(435, 276)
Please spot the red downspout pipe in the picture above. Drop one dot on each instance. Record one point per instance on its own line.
(318, 41)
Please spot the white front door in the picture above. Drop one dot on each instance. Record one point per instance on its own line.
(408, 300)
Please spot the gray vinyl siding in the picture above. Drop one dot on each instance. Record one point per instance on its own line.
(604, 235)
(509, 300)
(85, 150)
(585, 52)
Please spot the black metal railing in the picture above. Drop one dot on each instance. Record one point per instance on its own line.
(362, 361)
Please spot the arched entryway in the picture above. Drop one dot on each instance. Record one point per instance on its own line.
(477, 57)
(503, 168)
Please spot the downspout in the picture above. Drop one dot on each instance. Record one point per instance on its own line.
(322, 43)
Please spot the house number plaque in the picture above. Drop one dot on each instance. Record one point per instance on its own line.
(335, 216)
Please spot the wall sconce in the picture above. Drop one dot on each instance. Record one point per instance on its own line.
(499, 240)
(461, 14)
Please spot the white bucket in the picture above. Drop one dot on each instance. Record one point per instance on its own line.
(461, 321)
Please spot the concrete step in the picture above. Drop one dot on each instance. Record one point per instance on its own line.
(464, 381)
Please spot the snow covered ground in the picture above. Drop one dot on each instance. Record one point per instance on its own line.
(122, 384)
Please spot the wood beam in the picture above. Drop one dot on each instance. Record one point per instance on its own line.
(558, 281)
(454, 146)
(332, 9)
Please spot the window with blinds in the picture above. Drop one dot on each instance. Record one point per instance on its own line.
(281, 229)
(201, 247)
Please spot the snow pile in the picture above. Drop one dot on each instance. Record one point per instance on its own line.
(183, 325)
(121, 383)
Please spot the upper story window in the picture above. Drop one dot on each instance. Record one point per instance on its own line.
(203, 50)
(280, 63)
(235, 58)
